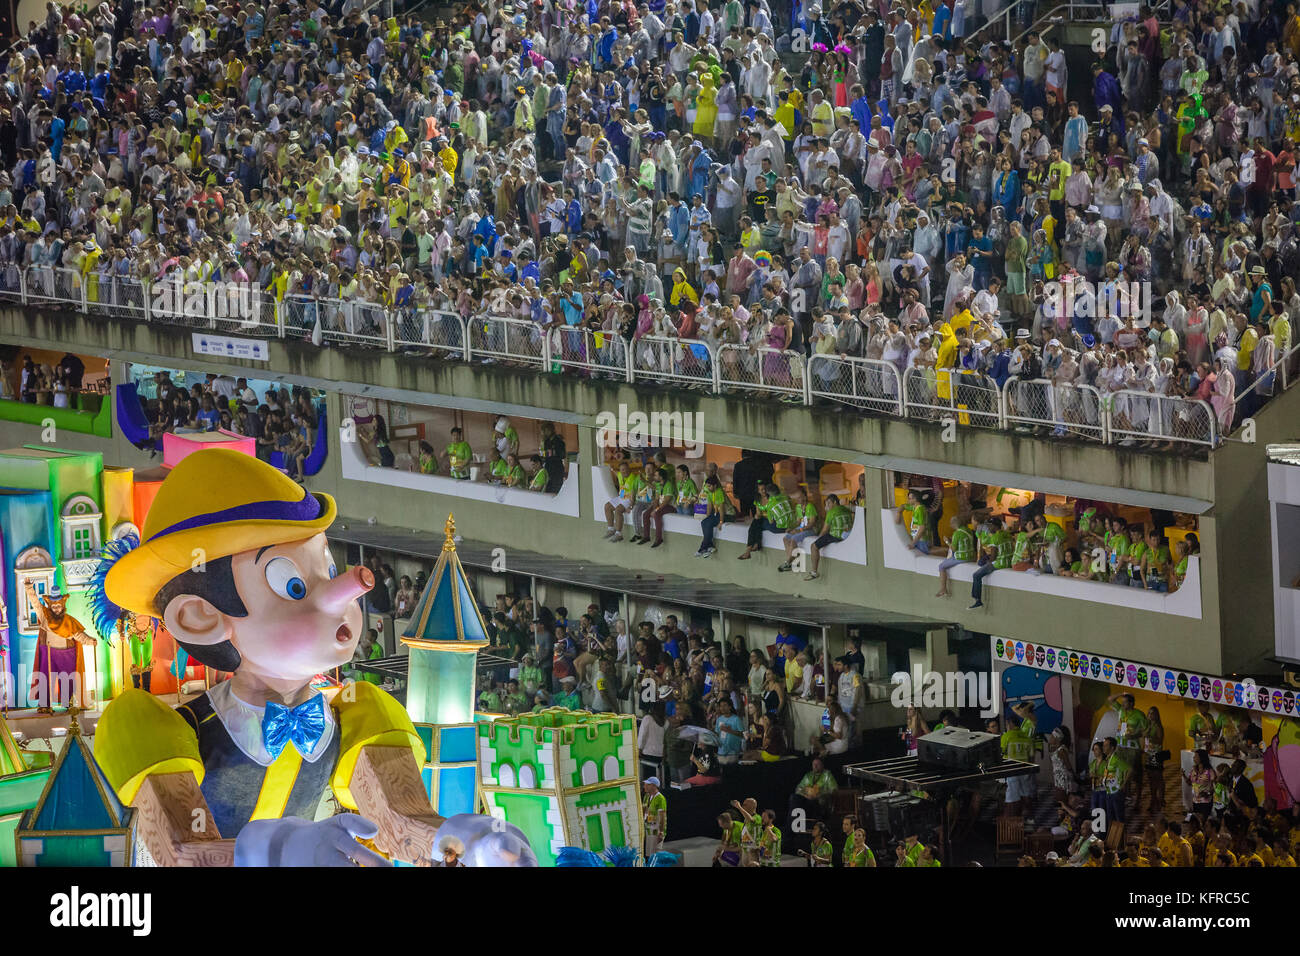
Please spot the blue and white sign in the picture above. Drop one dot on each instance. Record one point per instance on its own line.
(225, 346)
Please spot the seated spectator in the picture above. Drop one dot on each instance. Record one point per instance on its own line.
(813, 792)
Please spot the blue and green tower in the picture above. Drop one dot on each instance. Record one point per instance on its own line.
(443, 640)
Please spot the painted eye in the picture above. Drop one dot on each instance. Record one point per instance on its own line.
(333, 571)
(285, 579)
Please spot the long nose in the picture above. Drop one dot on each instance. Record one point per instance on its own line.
(347, 587)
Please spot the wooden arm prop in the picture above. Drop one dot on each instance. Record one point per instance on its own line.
(388, 790)
(176, 825)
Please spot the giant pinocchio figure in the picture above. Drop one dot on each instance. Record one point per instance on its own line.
(235, 562)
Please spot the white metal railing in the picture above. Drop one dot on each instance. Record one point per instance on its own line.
(514, 341)
(589, 352)
(1064, 407)
(756, 368)
(666, 359)
(435, 329)
(1146, 416)
(966, 398)
(863, 383)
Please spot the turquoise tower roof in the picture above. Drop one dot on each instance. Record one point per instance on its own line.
(446, 616)
(77, 796)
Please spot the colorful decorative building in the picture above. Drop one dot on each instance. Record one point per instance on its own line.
(565, 778)
(23, 777)
(78, 820)
(443, 640)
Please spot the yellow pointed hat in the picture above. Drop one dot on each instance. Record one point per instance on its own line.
(215, 503)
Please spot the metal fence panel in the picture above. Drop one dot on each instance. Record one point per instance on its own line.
(965, 397)
(54, 284)
(496, 338)
(11, 282)
(172, 303)
(431, 329)
(870, 384)
(1066, 408)
(742, 367)
(589, 353)
(243, 309)
(1145, 416)
(120, 295)
(341, 323)
(665, 359)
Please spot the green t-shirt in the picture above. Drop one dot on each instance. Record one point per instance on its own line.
(824, 782)
(1053, 533)
(1117, 771)
(912, 854)
(686, 492)
(459, 454)
(499, 468)
(1135, 552)
(838, 521)
(718, 499)
(1131, 726)
(1004, 544)
(861, 856)
(1017, 746)
(539, 480)
(769, 842)
(516, 476)
(734, 834)
(822, 853)
(654, 806)
(779, 510)
(630, 484)
(806, 514)
(1085, 520)
(918, 520)
(963, 544)
(665, 489)
(1021, 551)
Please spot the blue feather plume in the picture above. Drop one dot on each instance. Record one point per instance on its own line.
(103, 612)
(577, 856)
(622, 856)
(663, 858)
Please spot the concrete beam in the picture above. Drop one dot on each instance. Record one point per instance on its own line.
(1164, 480)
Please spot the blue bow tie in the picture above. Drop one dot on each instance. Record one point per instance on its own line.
(303, 726)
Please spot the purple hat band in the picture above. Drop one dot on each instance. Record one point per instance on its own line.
(308, 508)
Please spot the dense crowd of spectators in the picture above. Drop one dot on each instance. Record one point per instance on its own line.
(1142, 548)
(284, 421)
(859, 180)
(544, 470)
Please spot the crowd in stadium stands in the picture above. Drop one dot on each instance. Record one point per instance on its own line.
(704, 705)
(648, 491)
(40, 384)
(285, 421)
(543, 471)
(861, 180)
(1092, 541)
